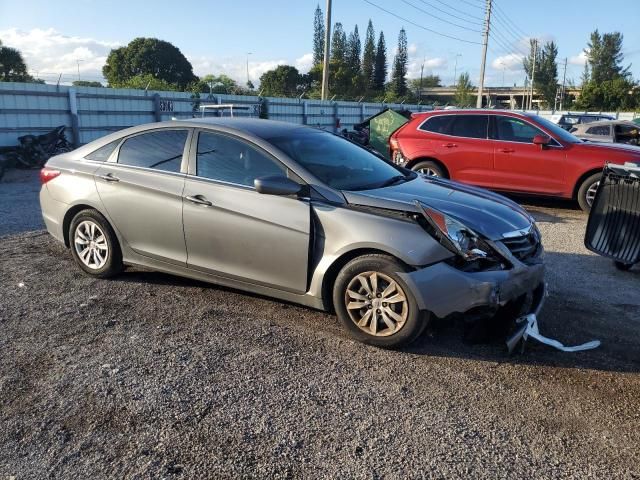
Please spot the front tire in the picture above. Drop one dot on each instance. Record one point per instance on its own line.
(375, 304)
(587, 191)
(94, 245)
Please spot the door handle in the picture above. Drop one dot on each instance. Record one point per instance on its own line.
(199, 200)
(449, 145)
(507, 150)
(109, 177)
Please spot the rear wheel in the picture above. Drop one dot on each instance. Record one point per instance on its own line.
(429, 168)
(94, 245)
(587, 191)
(375, 304)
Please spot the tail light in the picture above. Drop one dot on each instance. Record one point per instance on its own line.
(395, 151)
(48, 174)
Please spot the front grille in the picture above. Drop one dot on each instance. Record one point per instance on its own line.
(524, 247)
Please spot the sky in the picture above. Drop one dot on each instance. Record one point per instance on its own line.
(219, 36)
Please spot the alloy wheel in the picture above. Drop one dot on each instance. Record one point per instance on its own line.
(591, 193)
(376, 304)
(91, 245)
(429, 172)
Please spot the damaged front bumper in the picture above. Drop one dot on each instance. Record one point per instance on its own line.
(444, 290)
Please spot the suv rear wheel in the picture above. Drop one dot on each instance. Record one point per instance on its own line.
(374, 303)
(429, 168)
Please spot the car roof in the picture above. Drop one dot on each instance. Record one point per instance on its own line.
(608, 122)
(474, 111)
(256, 126)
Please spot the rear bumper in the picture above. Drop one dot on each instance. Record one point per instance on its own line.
(444, 290)
(53, 213)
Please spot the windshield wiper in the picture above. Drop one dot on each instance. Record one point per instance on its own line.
(395, 180)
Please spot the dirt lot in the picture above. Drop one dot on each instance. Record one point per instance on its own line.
(151, 376)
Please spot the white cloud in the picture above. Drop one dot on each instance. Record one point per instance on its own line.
(48, 53)
(233, 67)
(511, 62)
(579, 59)
(304, 63)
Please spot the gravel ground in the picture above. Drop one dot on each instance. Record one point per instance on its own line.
(154, 376)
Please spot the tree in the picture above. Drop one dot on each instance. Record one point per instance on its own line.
(318, 36)
(546, 70)
(380, 65)
(429, 81)
(463, 96)
(148, 56)
(284, 80)
(215, 84)
(12, 66)
(604, 54)
(338, 43)
(86, 83)
(148, 82)
(399, 73)
(369, 56)
(353, 51)
(609, 85)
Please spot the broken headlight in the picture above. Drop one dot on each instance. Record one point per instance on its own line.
(456, 236)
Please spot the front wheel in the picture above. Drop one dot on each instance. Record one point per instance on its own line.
(375, 304)
(587, 191)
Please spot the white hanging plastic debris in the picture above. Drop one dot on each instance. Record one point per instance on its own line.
(532, 331)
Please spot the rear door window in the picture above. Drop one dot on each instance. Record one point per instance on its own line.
(158, 150)
(468, 126)
(601, 130)
(438, 124)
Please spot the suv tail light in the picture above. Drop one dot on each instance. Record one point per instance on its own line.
(395, 151)
(48, 174)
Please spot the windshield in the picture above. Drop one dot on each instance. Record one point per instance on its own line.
(557, 131)
(338, 162)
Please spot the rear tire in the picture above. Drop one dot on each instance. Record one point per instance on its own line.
(587, 191)
(429, 168)
(374, 303)
(94, 245)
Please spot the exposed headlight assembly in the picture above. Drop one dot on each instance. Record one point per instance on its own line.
(456, 236)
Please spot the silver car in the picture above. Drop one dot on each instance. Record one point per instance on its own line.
(298, 214)
(609, 131)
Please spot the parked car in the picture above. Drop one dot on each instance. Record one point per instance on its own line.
(608, 131)
(298, 214)
(505, 151)
(570, 120)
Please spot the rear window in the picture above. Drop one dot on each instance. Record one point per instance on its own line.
(103, 153)
(468, 126)
(160, 150)
(601, 130)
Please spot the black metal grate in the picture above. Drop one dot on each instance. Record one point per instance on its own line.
(524, 247)
(613, 229)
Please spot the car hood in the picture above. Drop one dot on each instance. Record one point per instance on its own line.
(602, 148)
(487, 213)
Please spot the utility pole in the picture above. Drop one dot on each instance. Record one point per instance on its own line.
(455, 69)
(248, 79)
(78, 63)
(325, 63)
(421, 72)
(485, 41)
(564, 78)
(533, 71)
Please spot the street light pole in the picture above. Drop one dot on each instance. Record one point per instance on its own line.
(455, 69)
(78, 63)
(485, 42)
(325, 63)
(421, 73)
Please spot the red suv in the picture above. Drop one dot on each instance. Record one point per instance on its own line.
(505, 151)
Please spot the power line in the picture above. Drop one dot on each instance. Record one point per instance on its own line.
(420, 26)
(451, 14)
(440, 18)
(478, 19)
(505, 43)
(506, 17)
(481, 7)
(509, 29)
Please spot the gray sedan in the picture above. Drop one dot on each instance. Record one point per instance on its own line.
(298, 214)
(609, 131)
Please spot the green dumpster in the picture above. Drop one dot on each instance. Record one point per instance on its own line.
(381, 127)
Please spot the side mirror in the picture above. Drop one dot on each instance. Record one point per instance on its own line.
(541, 140)
(276, 185)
